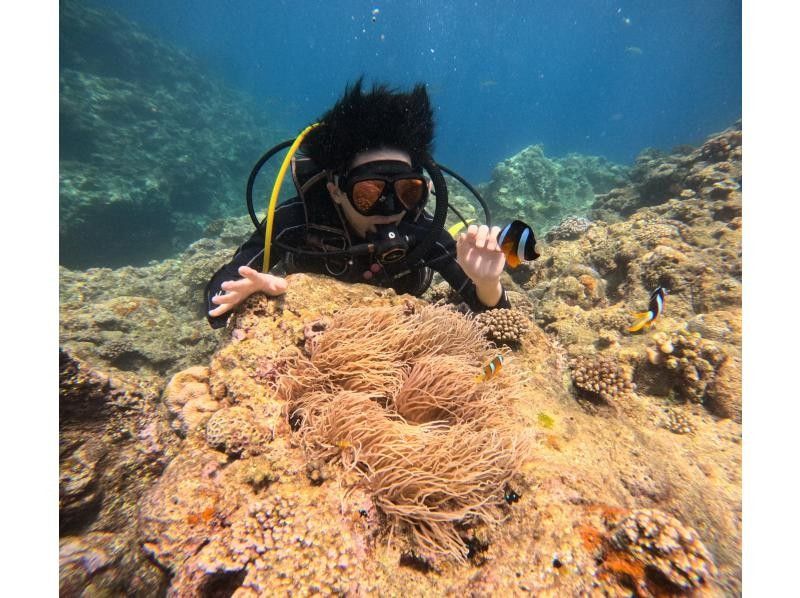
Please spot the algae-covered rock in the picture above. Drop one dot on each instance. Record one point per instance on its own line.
(542, 191)
(149, 144)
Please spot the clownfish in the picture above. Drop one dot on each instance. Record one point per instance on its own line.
(517, 242)
(655, 308)
(491, 369)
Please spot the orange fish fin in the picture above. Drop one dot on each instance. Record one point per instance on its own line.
(637, 326)
(511, 255)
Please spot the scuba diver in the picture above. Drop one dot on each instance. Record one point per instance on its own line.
(359, 214)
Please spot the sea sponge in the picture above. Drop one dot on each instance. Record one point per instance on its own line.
(655, 539)
(398, 396)
(601, 377)
(234, 431)
(504, 326)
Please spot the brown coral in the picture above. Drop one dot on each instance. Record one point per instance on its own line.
(691, 360)
(654, 540)
(278, 547)
(677, 422)
(234, 431)
(569, 228)
(189, 400)
(601, 377)
(504, 326)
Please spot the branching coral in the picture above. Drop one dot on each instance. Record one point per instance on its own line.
(393, 394)
(506, 326)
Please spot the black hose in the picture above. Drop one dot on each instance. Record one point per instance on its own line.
(417, 254)
(252, 179)
(473, 190)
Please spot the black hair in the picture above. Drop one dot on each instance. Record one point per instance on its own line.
(361, 121)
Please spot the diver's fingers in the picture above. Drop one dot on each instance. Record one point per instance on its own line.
(463, 245)
(472, 232)
(491, 240)
(236, 285)
(248, 272)
(275, 285)
(226, 298)
(222, 309)
(480, 240)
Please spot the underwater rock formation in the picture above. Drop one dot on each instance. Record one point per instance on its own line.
(147, 141)
(113, 444)
(302, 516)
(116, 319)
(542, 191)
(713, 171)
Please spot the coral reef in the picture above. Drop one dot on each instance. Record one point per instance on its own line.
(531, 187)
(112, 446)
(504, 326)
(324, 416)
(234, 431)
(654, 539)
(116, 318)
(692, 361)
(146, 139)
(569, 228)
(712, 171)
(331, 507)
(601, 377)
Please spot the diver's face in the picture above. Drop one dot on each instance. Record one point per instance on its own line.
(360, 223)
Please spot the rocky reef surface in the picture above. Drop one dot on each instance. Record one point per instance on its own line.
(148, 142)
(532, 187)
(187, 467)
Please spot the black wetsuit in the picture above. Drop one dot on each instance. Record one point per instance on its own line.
(290, 227)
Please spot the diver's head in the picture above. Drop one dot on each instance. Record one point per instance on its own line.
(378, 187)
(372, 144)
(371, 120)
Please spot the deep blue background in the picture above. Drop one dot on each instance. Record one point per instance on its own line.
(503, 74)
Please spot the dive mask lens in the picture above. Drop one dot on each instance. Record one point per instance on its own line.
(366, 193)
(411, 191)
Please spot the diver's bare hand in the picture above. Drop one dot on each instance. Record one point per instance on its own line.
(479, 255)
(237, 291)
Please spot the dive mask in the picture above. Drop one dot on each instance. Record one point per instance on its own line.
(385, 187)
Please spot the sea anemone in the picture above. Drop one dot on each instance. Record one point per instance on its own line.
(398, 397)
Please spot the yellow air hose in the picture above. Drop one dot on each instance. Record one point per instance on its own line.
(276, 189)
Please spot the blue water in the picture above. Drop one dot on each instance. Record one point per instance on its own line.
(590, 76)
